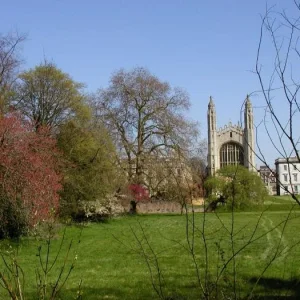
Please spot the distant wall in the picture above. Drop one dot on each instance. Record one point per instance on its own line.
(158, 207)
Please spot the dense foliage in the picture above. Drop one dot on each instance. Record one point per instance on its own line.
(89, 172)
(137, 192)
(237, 187)
(28, 174)
(48, 96)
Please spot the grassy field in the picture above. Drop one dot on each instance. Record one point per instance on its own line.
(111, 256)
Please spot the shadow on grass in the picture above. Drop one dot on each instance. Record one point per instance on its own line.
(268, 288)
(94, 293)
(276, 288)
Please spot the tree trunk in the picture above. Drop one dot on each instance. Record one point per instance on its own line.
(132, 207)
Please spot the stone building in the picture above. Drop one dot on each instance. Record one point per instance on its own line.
(268, 176)
(231, 145)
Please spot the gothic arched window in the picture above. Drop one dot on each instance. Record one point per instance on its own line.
(231, 154)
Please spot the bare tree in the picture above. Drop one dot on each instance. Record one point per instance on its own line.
(146, 118)
(277, 61)
(9, 64)
(198, 166)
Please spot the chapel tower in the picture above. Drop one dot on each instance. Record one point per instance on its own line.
(212, 131)
(231, 145)
(249, 156)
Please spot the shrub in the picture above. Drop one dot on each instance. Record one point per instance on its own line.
(237, 187)
(137, 193)
(13, 218)
(28, 175)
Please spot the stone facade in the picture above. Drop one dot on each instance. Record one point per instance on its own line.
(232, 144)
(268, 176)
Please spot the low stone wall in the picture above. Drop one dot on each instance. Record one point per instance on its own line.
(198, 201)
(158, 207)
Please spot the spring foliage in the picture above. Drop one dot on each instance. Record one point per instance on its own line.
(28, 171)
(138, 192)
(237, 186)
(89, 174)
(48, 96)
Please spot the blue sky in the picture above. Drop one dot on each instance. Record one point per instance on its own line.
(205, 47)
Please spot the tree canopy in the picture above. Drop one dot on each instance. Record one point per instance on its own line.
(90, 172)
(237, 187)
(145, 117)
(47, 96)
(9, 65)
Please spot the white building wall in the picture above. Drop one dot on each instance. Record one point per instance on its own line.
(288, 176)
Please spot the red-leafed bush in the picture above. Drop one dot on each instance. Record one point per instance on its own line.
(137, 193)
(29, 179)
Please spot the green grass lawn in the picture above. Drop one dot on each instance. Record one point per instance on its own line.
(286, 199)
(111, 265)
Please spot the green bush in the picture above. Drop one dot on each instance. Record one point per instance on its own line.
(237, 187)
(13, 219)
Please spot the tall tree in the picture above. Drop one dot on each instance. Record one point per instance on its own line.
(199, 173)
(9, 65)
(90, 172)
(145, 117)
(47, 96)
